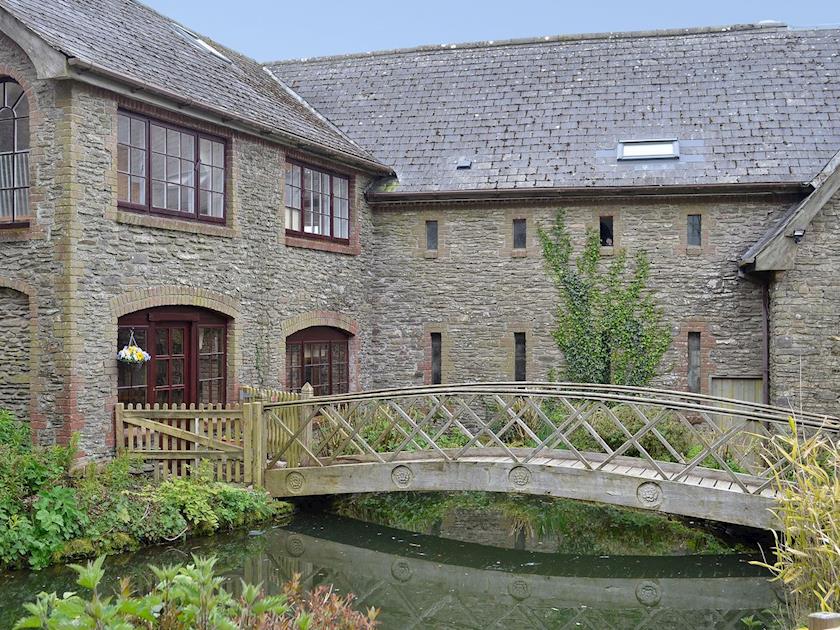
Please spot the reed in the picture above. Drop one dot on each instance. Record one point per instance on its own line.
(807, 554)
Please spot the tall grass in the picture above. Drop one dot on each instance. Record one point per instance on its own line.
(808, 552)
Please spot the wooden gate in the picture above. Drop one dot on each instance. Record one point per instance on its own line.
(173, 440)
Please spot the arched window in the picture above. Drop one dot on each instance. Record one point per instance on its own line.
(188, 347)
(318, 356)
(14, 153)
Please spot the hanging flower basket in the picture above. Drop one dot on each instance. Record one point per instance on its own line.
(132, 353)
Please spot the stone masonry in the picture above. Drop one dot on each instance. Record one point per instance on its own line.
(479, 292)
(804, 320)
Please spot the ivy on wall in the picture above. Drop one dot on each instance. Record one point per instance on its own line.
(608, 326)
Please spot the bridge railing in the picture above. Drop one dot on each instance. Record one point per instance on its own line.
(656, 433)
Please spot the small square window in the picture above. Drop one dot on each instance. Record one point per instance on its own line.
(520, 234)
(606, 231)
(431, 235)
(695, 230)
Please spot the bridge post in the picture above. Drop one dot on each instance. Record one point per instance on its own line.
(259, 442)
(824, 621)
(306, 392)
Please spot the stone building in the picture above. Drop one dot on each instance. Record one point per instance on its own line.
(370, 220)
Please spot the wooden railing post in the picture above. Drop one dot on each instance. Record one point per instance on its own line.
(306, 392)
(248, 441)
(824, 621)
(259, 442)
(119, 428)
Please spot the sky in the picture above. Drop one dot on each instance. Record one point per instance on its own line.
(270, 30)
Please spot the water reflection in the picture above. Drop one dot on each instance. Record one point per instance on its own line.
(425, 582)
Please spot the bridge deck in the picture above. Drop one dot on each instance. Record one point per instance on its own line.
(703, 493)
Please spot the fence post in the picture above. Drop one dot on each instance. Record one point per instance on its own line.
(248, 442)
(824, 621)
(119, 428)
(305, 438)
(259, 442)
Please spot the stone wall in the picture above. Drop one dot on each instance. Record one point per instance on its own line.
(805, 320)
(246, 270)
(30, 257)
(477, 291)
(15, 348)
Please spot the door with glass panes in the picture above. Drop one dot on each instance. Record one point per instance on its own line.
(188, 356)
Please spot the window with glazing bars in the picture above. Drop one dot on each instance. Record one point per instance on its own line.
(317, 203)
(14, 153)
(170, 170)
(520, 234)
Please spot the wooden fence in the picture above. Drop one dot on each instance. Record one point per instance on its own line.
(237, 441)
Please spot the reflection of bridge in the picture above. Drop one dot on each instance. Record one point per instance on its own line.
(675, 452)
(422, 593)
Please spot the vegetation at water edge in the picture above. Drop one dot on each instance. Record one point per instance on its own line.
(50, 515)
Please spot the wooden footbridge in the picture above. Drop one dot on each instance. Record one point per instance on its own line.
(675, 452)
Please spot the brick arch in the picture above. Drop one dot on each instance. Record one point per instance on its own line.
(177, 295)
(37, 421)
(342, 321)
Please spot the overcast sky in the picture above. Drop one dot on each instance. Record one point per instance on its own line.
(279, 29)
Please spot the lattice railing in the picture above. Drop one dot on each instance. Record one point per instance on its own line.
(669, 435)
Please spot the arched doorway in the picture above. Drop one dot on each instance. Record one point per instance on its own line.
(188, 348)
(318, 356)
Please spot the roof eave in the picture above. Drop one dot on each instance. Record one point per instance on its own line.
(93, 74)
(776, 250)
(395, 198)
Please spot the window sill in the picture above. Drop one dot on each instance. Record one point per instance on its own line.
(694, 250)
(20, 231)
(349, 249)
(178, 225)
(519, 253)
(430, 253)
(607, 250)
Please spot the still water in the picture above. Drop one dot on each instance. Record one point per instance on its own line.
(420, 581)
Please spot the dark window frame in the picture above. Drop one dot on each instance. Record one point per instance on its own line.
(436, 239)
(436, 358)
(317, 335)
(332, 174)
(601, 222)
(690, 231)
(520, 238)
(25, 219)
(520, 356)
(193, 320)
(148, 208)
(694, 360)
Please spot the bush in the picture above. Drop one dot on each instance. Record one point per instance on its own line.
(193, 597)
(48, 515)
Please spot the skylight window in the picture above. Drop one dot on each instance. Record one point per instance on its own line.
(649, 150)
(194, 39)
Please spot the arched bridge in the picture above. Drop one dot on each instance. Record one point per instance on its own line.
(675, 452)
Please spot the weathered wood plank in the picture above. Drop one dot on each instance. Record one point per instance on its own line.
(181, 433)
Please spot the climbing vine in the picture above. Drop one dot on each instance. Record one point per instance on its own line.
(608, 327)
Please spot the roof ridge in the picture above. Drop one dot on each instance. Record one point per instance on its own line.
(546, 39)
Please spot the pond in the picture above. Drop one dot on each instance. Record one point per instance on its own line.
(423, 581)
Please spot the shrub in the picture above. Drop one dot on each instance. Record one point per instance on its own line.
(608, 327)
(193, 597)
(47, 515)
(808, 509)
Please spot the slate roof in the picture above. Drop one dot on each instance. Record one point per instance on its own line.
(131, 40)
(750, 104)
